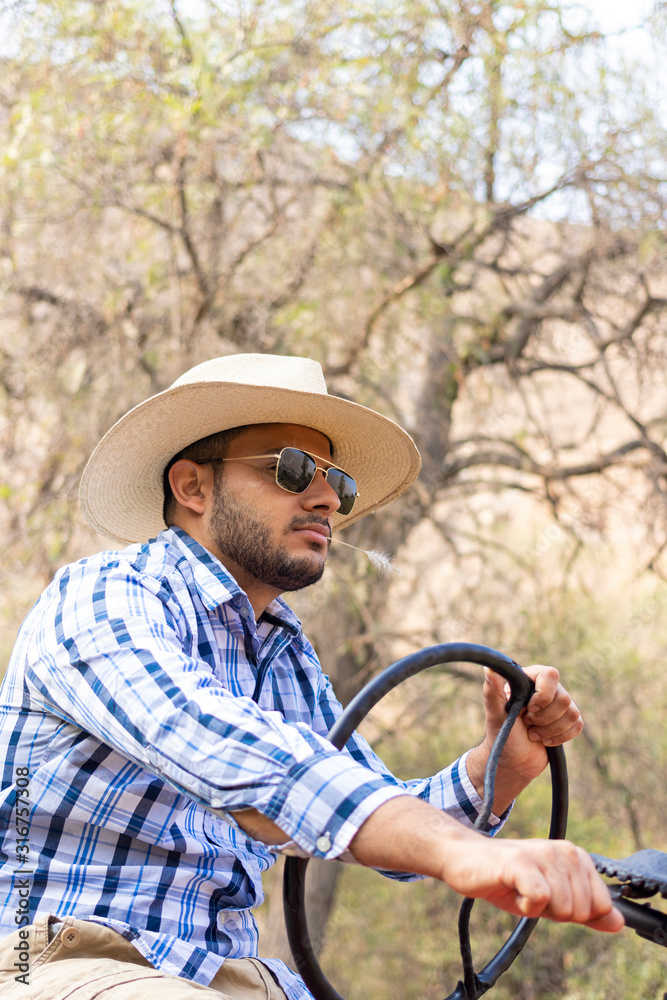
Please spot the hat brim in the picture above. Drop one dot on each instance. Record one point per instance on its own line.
(121, 492)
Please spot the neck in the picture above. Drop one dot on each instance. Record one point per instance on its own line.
(259, 594)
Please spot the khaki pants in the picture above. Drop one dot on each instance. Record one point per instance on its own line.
(84, 960)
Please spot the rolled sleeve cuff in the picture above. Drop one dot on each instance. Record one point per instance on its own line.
(322, 803)
(471, 802)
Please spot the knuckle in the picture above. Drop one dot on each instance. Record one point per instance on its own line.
(565, 854)
(572, 852)
(539, 895)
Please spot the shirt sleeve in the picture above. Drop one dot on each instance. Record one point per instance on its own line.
(113, 654)
(450, 790)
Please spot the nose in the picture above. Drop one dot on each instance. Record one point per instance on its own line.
(320, 496)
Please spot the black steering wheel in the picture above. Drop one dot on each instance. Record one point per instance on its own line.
(473, 984)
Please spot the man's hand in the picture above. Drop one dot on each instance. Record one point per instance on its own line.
(550, 718)
(533, 878)
(536, 878)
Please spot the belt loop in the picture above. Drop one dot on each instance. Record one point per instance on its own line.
(40, 932)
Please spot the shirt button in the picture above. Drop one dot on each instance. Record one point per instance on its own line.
(244, 612)
(216, 803)
(323, 843)
(70, 937)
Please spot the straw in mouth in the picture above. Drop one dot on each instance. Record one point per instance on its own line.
(381, 561)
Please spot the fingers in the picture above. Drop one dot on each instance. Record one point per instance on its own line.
(551, 717)
(557, 880)
(495, 700)
(534, 878)
(496, 689)
(566, 727)
(546, 680)
(610, 924)
(533, 894)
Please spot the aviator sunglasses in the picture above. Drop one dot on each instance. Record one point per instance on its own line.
(296, 470)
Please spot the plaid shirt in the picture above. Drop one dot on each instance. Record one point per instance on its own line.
(143, 702)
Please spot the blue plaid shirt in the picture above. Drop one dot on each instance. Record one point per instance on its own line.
(142, 702)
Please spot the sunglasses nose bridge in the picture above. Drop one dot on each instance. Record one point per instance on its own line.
(338, 483)
(320, 491)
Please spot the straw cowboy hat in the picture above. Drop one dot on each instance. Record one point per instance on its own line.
(121, 492)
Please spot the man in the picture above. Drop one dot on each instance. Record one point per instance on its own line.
(164, 718)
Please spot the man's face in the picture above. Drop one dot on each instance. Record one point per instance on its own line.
(264, 534)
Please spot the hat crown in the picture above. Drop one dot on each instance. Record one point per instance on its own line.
(269, 370)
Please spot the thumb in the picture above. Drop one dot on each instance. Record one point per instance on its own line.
(495, 696)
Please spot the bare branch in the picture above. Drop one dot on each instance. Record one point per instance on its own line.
(185, 41)
(398, 291)
(526, 463)
(143, 213)
(81, 311)
(184, 231)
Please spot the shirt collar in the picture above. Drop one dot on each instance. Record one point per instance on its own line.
(215, 584)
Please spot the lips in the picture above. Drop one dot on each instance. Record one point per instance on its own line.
(315, 532)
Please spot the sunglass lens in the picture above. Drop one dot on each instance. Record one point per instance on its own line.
(295, 470)
(345, 487)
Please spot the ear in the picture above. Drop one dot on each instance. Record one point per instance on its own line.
(191, 484)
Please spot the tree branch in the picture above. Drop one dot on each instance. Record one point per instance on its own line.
(526, 463)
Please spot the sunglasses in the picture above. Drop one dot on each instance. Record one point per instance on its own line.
(296, 470)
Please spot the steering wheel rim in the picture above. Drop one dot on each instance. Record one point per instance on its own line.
(521, 688)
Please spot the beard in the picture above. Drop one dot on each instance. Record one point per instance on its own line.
(248, 541)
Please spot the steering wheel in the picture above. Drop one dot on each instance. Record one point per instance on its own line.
(521, 688)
